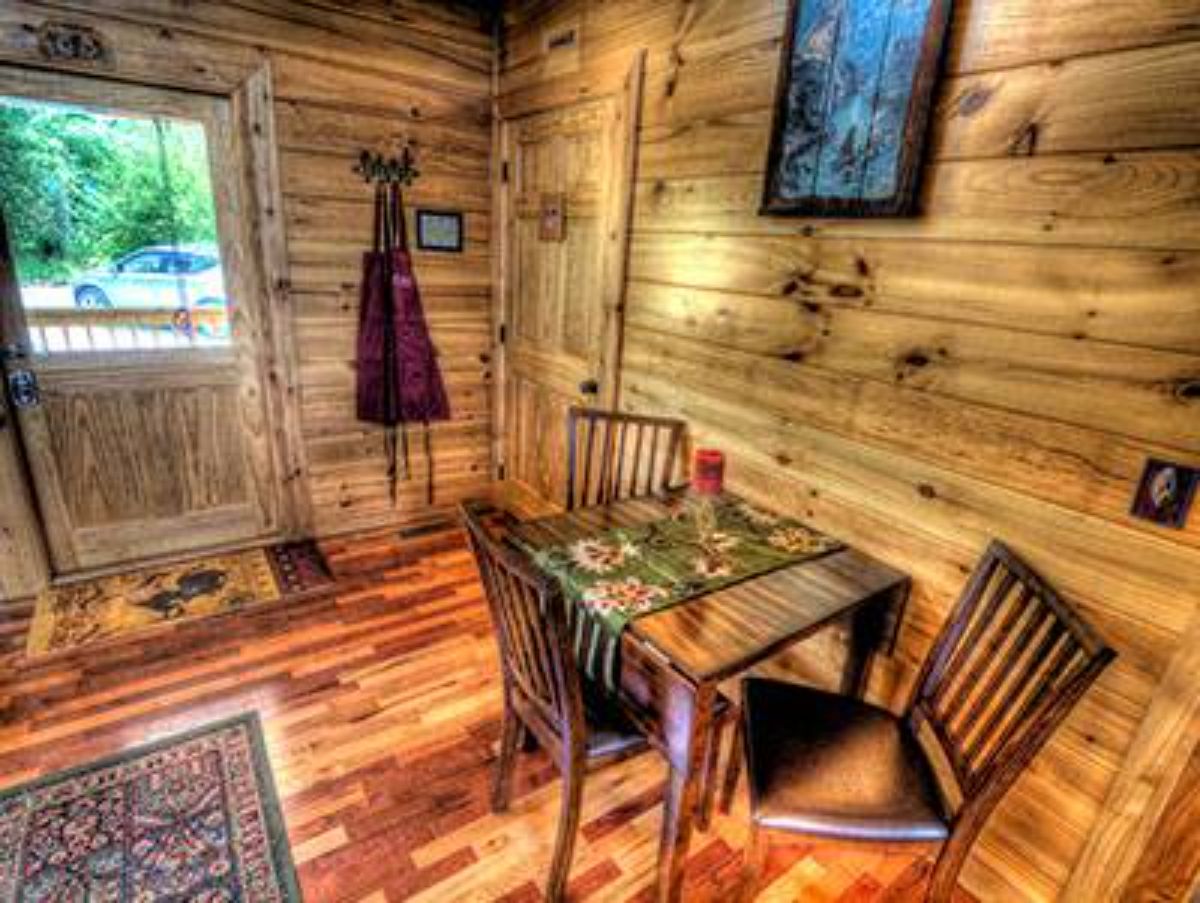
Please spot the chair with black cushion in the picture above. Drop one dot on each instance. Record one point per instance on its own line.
(1009, 665)
(544, 695)
(613, 455)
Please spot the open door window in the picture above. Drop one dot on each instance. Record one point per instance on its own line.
(114, 229)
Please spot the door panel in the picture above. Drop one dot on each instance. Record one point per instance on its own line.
(159, 447)
(563, 297)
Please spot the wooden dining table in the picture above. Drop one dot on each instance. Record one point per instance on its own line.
(673, 660)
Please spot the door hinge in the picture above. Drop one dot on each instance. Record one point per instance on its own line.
(500, 471)
(503, 334)
(504, 171)
(12, 352)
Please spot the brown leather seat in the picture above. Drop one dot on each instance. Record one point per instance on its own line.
(835, 766)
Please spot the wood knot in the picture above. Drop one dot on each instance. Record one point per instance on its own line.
(793, 357)
(916, 360)
(926, 491)
(790, 287)
(974, 100)
(1024, 143)
(1188, 390)
(812, 307)
(672, 78)
(846, 291)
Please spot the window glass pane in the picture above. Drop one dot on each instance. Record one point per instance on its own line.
(142, 263)
(113, 226)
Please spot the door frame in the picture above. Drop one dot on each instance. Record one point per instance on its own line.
(136, 56)
(627, 89)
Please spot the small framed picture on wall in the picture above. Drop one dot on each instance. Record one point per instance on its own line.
(440, 230)
(1165, 493)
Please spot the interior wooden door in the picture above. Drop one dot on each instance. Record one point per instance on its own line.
(158, 444)
(566, 231)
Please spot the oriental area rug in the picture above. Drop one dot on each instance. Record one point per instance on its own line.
(193, 817)
(116, 606)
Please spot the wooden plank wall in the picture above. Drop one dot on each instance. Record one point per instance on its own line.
(999, 366)
(347, 77)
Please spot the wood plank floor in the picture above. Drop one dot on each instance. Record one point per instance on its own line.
(381, 706)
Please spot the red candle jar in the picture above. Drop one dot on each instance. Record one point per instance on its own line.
(708, 474)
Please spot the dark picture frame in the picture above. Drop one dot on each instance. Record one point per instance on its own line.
(440, 231)
(1165, 493)
(846, 138)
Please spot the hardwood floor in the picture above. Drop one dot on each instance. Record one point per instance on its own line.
(381, 706)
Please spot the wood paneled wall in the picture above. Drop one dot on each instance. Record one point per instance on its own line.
(1000, 365)
(373, 75)
(346, 77)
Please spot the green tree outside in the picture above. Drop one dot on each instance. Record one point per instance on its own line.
(80, 189)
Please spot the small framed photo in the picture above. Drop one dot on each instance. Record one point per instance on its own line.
(440, 230)
(1165, 493)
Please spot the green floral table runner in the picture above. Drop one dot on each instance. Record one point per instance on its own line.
(623, 573)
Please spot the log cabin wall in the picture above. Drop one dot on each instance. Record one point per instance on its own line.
(346, 77)
(1000, 365)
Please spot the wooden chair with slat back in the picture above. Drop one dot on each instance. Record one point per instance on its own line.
(614, 455)
(543, 693)
(1007, 668)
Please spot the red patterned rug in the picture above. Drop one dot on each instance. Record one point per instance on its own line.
(193, 817)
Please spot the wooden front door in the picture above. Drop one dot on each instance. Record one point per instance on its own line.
(138, 387)
(567, 209)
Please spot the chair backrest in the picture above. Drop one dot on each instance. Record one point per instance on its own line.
(614, 455)
(1010, 663)
(529, 620)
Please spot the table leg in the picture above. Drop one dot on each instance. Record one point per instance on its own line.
(684, 779)
(866, 634)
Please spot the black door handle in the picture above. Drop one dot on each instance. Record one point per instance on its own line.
(23, 389)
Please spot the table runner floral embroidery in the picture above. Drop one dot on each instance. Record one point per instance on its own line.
(628, 572)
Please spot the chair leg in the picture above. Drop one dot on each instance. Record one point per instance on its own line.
(733, 769)
(754, 864)
(944, 878)
(708, 794)
(568, 828)
(511, 730)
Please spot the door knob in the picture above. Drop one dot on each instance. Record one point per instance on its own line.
(589, 387)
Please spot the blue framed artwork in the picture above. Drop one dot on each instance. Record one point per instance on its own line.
(855, 86)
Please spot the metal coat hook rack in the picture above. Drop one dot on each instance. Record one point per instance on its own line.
(399, 170)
